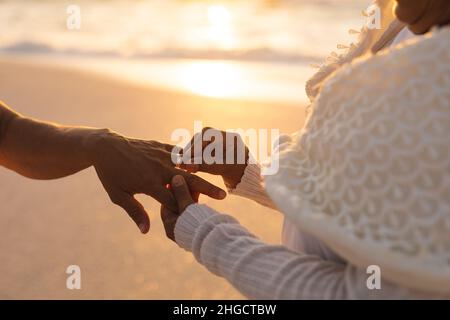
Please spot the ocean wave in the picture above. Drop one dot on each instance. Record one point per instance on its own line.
(257, 55)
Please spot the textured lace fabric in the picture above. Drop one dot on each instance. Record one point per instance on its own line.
(370, 173)
(367, 40)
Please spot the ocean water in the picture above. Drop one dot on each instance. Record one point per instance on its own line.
(234, 49)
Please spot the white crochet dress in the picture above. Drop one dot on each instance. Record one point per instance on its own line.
(370, 173)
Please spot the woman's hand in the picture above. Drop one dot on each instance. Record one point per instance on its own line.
(422, 15)
(230, 164)
(184, 198)
(129, 166)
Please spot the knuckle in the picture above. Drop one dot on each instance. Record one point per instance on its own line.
(205, 129)
(116, 199)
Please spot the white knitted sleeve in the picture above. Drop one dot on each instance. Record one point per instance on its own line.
(251, 187)
(262, 271)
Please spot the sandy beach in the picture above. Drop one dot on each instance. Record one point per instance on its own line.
(46, 226)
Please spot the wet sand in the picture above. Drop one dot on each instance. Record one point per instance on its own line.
(45, 226)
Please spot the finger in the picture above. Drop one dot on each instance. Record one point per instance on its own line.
(200, 166)
(176, 154)
(152, 143)
(181, 192)
(134, 209)
(165, 197)
(422, 16)
(191, 168)
(407, 13)
(202, 186)
(197, 141)
(425, 22)
(168, 147)
(191, 149)
(195, 196)
(165, 213)
(233, 148)
(164, 151)
(169, 219)
(214, 169)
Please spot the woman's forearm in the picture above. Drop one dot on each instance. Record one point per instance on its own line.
(256, 269)
(41, 150)
(263, 271)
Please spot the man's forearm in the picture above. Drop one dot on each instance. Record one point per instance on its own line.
(42, 150)
(6, 116)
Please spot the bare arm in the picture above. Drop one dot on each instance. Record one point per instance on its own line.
(41, 150)
(125, 166)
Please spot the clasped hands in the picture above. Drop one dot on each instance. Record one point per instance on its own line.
(128, 166)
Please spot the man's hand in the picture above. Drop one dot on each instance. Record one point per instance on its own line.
(129, 166)
(184, 198)
(41, 150)
(234, 156)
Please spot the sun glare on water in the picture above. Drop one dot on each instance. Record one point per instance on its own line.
(216, 31)
(211, 78)
(220, 30)
(214, 78)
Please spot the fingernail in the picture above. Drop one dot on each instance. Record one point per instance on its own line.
(143, 228)
(177, 181)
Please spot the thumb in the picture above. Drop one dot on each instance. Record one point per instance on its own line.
(182, 193)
